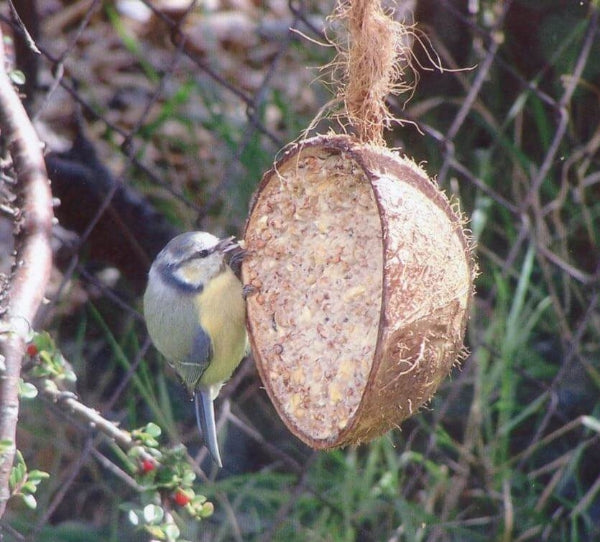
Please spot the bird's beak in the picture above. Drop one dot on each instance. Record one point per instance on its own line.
(205, 417)
(234, 251)
(227, 245)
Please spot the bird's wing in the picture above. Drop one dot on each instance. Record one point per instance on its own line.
(191, 369)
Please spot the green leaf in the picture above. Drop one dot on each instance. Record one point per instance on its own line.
(172, 531)
(36, 476)
(134, 518)
(28, 488)
(17, 473)
(156, 532)
(17, 77)
(207, 510)
(188, 478)
(43, 341)
(29, 501)
(153, 430)
(27, 390)
(153, 514)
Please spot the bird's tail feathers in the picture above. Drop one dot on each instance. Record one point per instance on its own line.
(205, 417)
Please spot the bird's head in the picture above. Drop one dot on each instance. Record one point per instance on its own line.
(191, 260)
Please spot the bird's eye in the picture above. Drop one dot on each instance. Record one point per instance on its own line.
(202, 253)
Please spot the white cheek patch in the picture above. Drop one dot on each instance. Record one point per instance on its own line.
(196, 273)
(193, 275)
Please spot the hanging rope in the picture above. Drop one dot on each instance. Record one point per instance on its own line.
(372, 66)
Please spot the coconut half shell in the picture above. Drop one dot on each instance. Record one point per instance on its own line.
(362, 277)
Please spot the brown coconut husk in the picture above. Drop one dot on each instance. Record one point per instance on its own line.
(361, 269)
(363, 279)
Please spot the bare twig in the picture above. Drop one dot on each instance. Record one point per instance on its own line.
(473, 93)
(70, 403)
(31, 269)
(562, 105)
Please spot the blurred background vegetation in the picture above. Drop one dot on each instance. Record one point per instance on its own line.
(160, 116)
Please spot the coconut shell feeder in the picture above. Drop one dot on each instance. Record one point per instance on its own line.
(361, 273)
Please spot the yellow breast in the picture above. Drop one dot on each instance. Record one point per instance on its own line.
(223, 316)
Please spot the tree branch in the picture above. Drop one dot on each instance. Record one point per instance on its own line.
(32, 265)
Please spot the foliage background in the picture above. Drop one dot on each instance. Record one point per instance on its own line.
(187, 106)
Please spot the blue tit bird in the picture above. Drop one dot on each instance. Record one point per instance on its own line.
(195, 314)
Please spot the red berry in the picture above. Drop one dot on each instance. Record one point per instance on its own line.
(181, 498)
(148, 465)
(32, 350)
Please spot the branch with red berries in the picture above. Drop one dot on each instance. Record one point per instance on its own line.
(163, 476)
